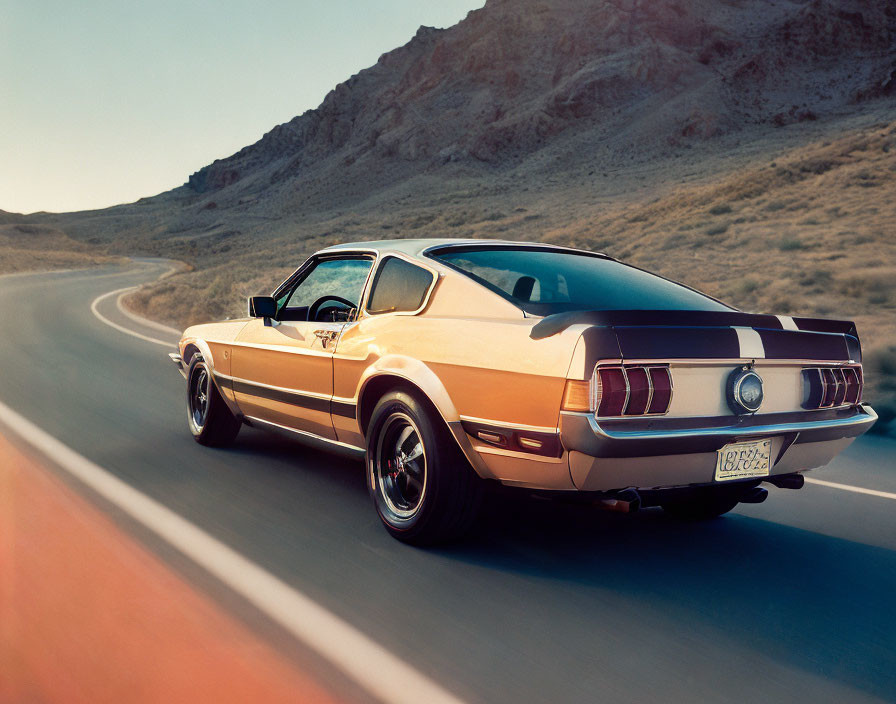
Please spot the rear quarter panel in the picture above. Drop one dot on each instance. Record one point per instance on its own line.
(490, 368)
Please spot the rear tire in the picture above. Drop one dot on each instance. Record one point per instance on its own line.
(701, 505)
(423, 488)
(208, 417)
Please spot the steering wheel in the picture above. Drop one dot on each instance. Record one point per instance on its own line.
(315, 308)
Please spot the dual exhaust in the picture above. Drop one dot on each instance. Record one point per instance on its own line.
(631, 501)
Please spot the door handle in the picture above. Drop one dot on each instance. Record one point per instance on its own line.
(326, 336)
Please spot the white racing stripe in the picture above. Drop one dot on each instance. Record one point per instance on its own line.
(384, 675)
(750, 342)
(787, 323)
(121, 328)
(849, 487)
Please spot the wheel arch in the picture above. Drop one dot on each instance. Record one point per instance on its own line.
(190, 350)
(403, 373)
(196, 345)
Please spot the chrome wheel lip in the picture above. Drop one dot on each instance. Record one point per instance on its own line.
(198, 398)
(398, 466)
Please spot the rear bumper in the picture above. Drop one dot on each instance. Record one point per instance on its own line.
(666, 453)
(581, 432)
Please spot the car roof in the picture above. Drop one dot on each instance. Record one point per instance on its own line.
(416, 247)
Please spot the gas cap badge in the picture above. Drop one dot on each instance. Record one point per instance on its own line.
(744, 390)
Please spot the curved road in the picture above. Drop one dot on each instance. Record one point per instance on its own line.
(791, 600)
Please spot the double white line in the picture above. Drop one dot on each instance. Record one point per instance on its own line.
(94, 308)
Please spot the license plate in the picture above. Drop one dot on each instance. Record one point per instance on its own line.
(741, 460)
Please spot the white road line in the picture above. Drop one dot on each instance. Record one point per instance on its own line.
(121, 328)
(144, 321)
(384, 675)
(850, 487)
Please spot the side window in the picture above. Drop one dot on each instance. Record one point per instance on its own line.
(329, 285)
(398, 286)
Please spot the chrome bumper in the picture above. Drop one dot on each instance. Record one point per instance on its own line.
(581, 432)
(179, 363)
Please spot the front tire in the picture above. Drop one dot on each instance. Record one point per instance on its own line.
(423, 488)
(210, 420)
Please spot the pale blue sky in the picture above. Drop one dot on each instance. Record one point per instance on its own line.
(106, 101)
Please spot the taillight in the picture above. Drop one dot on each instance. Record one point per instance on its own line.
(577, 397)
(632, 390)
(638, 391)
(853, 384)
(612, 391)
(829, 387)
(661, 380)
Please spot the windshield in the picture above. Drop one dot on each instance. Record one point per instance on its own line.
(545, 281)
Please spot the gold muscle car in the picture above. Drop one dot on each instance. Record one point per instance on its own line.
(447, 364)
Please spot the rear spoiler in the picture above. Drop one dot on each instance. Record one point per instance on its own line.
(557, 323)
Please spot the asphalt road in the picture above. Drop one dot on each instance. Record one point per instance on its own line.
(791, 600)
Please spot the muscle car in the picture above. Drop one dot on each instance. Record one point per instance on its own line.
(449, 364)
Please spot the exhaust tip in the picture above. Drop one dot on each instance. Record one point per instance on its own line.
(625, 501)
(756, 495)
(788, 481)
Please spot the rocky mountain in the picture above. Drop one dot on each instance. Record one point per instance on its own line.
(636, 77)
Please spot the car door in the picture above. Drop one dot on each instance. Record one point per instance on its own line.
(283, 369)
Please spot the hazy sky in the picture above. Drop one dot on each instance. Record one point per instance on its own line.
(106, 101)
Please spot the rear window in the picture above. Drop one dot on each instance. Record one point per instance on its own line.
(544, 281)
(398, 286)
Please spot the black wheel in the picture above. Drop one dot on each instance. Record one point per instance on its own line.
(208, 416)
(422, 486)
(701, 504)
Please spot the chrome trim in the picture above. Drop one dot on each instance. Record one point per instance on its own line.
(178, 362)
(493, 438)
(745, 374)
(650, 390)
(667, 366)
(310, 438)
(324, 254)
(510, 426)
(628, 390)
(865, 415)
(381, 258)
(727, 361)
(287, 349)
(841, 368)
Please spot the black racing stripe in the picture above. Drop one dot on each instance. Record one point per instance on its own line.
(855, 349)
(677, 343)
(845, 327)
(345, 409)
(553, 324)
(600, 343)
(294, 398)
(792, 344)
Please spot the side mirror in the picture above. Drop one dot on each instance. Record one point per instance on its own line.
(262, 307)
